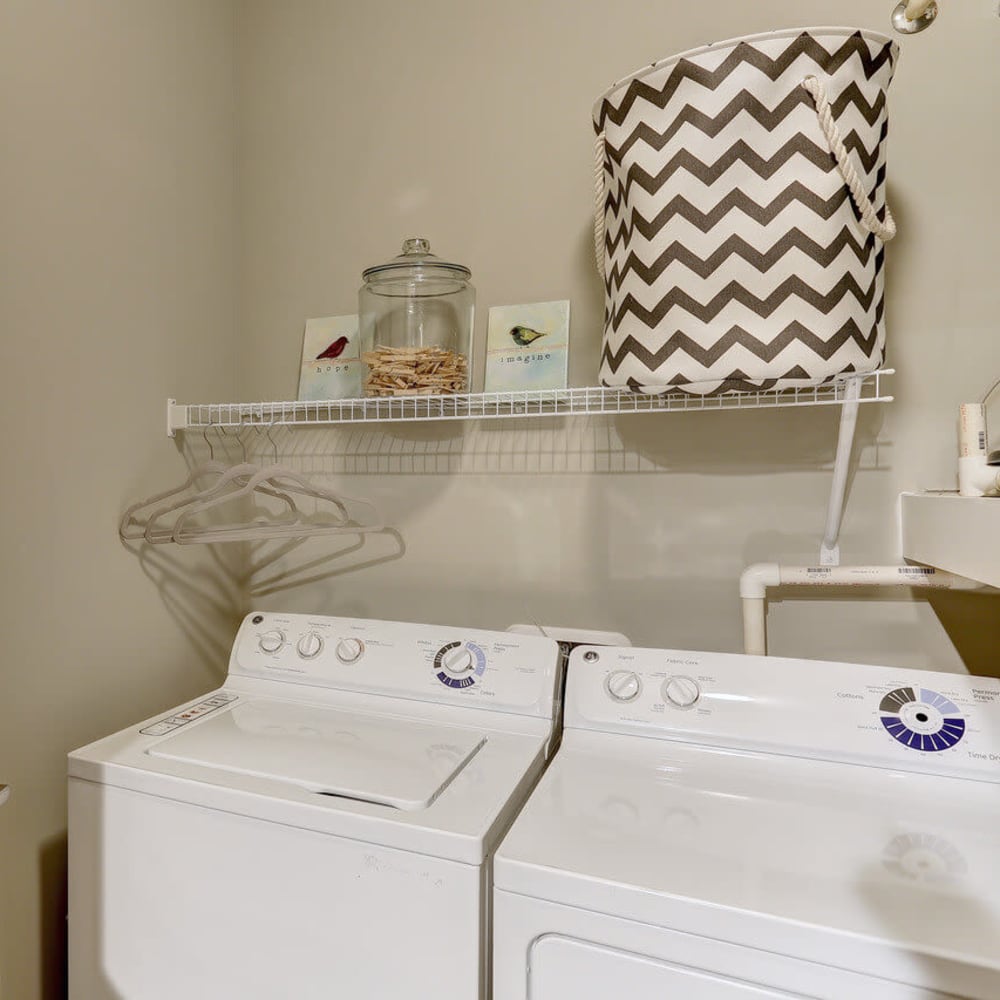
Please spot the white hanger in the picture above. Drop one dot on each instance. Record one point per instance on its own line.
(289, 481)
(132, 528)
(274, 480)
(228, 483)
(235, 483)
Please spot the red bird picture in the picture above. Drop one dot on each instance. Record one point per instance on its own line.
(334, 350)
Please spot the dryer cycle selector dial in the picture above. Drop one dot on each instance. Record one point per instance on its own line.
(681, 691)
(272, 641)
(623, 685)
(922, 719)
(350, 650)
(309, 646)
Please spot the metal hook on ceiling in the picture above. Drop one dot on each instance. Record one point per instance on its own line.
(912, 16)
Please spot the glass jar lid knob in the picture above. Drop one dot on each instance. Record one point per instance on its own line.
(416, 245)
(416, 259)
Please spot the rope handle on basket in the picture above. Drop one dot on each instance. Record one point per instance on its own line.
(885, 231)
(599, 202)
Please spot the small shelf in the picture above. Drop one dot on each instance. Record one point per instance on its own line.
(958, 534)
(509, 405)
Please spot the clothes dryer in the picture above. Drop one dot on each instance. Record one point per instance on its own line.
(720, 827)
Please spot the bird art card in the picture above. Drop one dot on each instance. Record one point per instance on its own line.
(331, 360)
(527, 347)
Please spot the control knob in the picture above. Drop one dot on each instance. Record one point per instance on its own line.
(309, 646)
(623, 685)
(457, 661)
(680, 691)
(271, 642)
(349, 650)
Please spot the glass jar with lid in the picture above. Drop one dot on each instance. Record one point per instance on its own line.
(416, 313)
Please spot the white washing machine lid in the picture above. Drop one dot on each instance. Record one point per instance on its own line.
(445, 783)
(400, 763)
(835, 863)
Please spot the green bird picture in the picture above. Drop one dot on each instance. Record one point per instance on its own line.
(524, 336)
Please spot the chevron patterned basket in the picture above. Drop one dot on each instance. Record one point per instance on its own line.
(741, 214)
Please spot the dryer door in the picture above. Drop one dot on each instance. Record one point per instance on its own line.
(562, 967)
(547, 951)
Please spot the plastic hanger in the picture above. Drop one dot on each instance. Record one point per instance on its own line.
(229, 484)
(288, 481)
(233, 484)
(225, 475)
(130, 528)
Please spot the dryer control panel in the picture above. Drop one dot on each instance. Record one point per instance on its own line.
(500, 671)
(909, 719)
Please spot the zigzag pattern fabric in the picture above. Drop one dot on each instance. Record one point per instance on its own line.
(734, 257)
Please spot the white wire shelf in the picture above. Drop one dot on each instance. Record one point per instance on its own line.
(509, 405)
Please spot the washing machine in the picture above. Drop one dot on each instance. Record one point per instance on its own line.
(321, 826)
(719, 827)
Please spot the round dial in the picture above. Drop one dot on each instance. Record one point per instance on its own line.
(922, 719)
(680, 691)
(460, 665)
(271, 642)
(349, 650)
(457, 661)
(309, 645)
(623, 685)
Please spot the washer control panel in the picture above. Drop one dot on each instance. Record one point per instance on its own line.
(502, 671)
(912, 720)
(171, 722)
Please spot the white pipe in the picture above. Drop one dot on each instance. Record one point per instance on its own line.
(829, 553)
(917, 8)
(755, 626)
(977, 479)
(872, 576)
(756, 580)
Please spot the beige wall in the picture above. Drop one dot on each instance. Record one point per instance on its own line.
(361, 124)
(356, 125)
(116, 289)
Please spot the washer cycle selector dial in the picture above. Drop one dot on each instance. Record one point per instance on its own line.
(623, 685)
(457, 661)
(349, 650)
(309, 646)
(459, 665)
(272, 641)
(681, 691)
